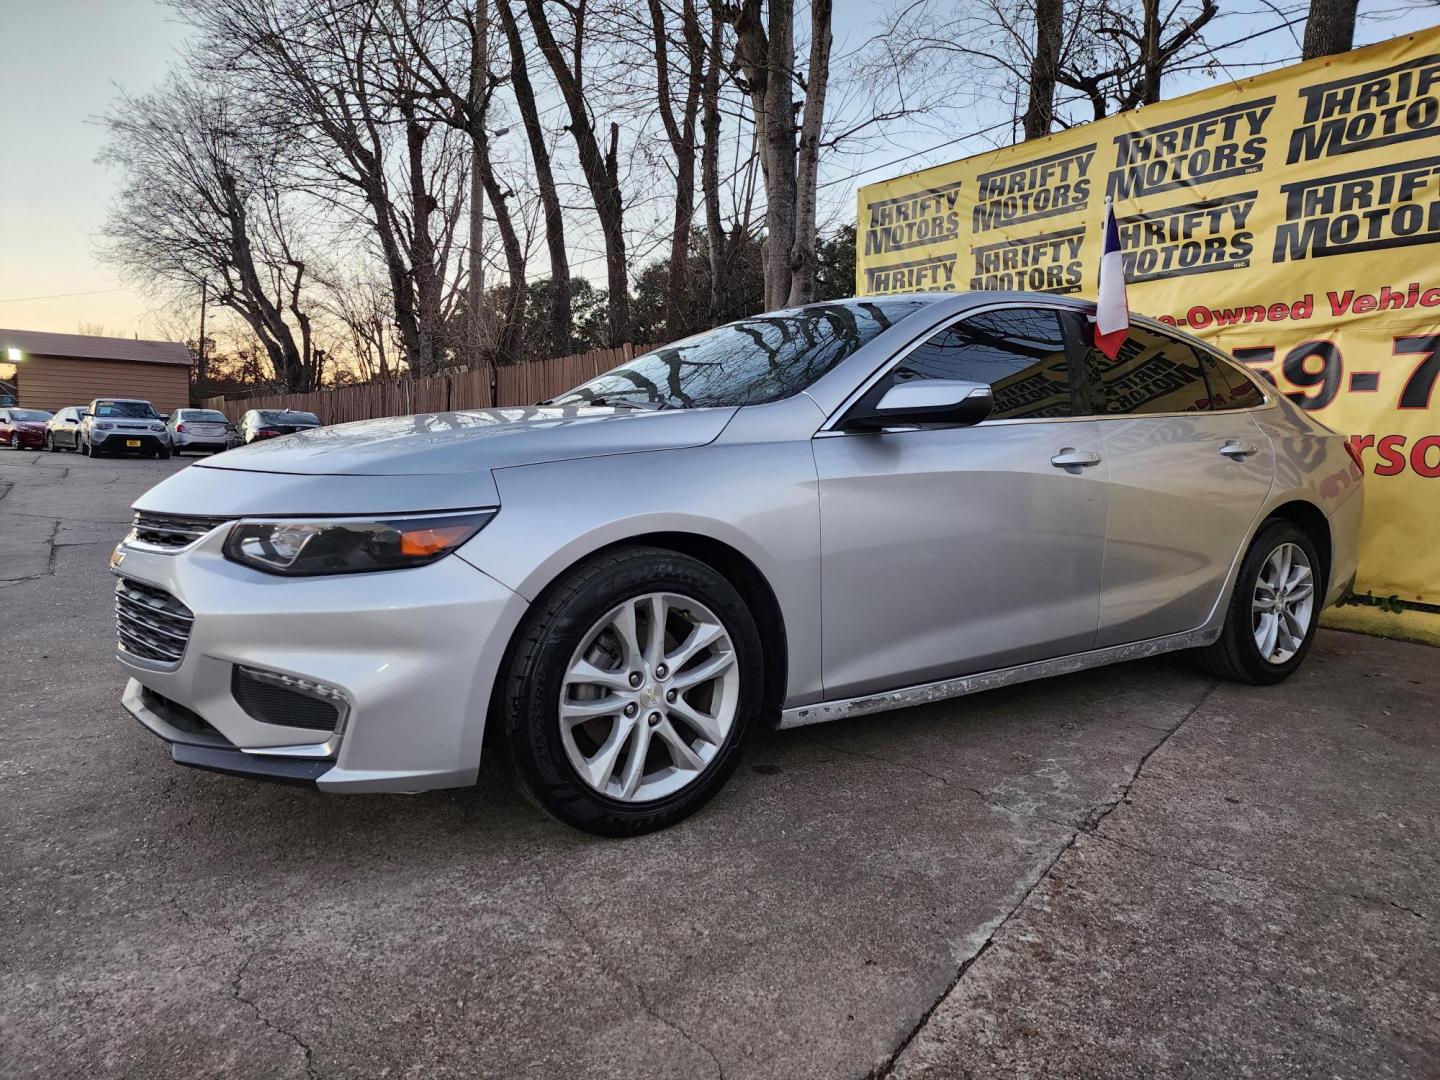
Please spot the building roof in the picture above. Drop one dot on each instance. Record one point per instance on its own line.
(87, 347)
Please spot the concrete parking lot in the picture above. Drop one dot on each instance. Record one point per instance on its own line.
(1130, 872)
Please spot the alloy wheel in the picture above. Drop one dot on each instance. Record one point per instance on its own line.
(649, 697)
(1283, 604)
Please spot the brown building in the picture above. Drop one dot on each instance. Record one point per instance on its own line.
(56, 370)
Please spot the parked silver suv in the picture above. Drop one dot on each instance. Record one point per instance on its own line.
(123, 426)
(805, 515)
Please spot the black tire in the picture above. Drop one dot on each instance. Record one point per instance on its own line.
(527, 701)
(15, 441)
(84, 448)
(50, 443)
(163, 455)
(1235, 655)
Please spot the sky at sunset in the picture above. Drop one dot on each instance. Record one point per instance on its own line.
(64, 59)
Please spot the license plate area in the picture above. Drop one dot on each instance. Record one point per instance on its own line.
(132, 442)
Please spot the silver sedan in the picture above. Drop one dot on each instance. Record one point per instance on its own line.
(810, 514)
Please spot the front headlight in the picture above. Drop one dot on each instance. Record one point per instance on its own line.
(304, 548)
(104, 427)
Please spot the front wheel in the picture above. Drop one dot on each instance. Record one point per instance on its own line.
(15, 441)
(164, 455)
(50, 443)
(634, 685)
(1274, 610)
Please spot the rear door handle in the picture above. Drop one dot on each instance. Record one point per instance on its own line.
(1238, 450)
(1070, 458)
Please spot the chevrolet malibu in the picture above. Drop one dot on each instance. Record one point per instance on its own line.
(817, 513)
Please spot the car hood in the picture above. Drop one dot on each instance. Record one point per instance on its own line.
(458, 442)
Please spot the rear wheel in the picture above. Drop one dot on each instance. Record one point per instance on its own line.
(634, 686)
(1274, 610)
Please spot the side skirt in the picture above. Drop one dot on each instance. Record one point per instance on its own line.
(945, 689)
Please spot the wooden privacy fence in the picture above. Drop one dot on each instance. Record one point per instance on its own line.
(517, 384)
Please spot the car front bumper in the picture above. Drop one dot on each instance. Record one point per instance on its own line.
(112, 442)
(413, 653)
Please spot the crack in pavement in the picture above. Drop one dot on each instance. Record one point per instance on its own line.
(990, 930)
(1290, 886)
(237, 992)
(635, 987)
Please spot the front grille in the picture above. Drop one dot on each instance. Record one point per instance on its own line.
(172, 530)
(153, 626)
(265, 696)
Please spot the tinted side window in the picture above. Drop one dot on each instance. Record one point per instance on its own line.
(1020, 352)
(1229, 388)
(1150, 374)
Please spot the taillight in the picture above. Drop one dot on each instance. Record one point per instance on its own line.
(266, 433)
(179, 427)
(1354, 451)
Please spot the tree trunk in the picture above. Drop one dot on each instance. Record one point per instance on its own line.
(803, 257)
(1329, 28)
(681, 133)
(427, 284)
(710, 161)
(509, 344)
(601, 170)
(1152, 63)
(558, 335)
(1040, 111)
(765, 53)
(481, 333)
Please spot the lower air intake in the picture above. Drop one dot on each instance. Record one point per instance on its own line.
(273, 698)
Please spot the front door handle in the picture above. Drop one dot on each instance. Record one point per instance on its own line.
(1238, 450)
(1070, 458)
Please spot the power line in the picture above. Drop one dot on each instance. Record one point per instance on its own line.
(58, 296)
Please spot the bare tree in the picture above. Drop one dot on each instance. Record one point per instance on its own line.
(446, 53)
(319, 70)
(203, 198)
(680, 130)
(525, 100)
(1113, 54)
(807, 166)
(1039, 119)
(789, 155)
(1330, 28)
(601, 168)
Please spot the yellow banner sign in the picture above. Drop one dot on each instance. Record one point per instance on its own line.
(1293, 219)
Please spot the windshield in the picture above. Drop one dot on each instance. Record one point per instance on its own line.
(285, 416)
(130, 409)
(30, 416)
(749, 362)
(203, 416)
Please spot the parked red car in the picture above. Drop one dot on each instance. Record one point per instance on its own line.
(22, 429)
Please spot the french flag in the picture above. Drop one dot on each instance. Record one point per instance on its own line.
(1112, 307)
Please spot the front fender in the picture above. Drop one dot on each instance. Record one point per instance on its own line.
(759, 499)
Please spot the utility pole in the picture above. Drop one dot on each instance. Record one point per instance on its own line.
(200, 361)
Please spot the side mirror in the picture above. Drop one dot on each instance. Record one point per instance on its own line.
(925, 402)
